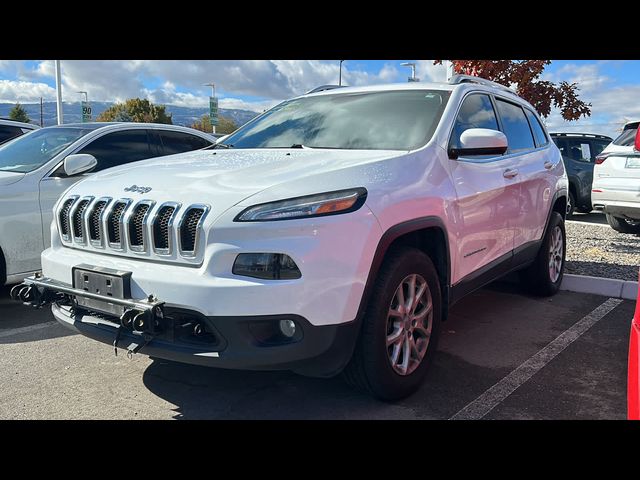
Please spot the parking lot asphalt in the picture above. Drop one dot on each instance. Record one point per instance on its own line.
(503, 354)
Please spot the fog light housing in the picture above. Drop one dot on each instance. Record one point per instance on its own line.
(288, 328)
(267, 266)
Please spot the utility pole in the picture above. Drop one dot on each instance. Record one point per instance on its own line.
(59, 92)
(41, 114)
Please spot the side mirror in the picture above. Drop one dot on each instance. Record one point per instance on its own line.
(79, 163)
(480, 141)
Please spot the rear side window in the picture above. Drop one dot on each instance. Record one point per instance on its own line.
(575, 149)
(8, 132)
(476, 112)
(628, 136)
(597, 146)
(119, 148)
(515, 126)
(178, 142)
(538, 131)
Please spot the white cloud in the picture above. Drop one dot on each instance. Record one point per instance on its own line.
(25, 92)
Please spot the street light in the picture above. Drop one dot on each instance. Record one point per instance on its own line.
(413, 77)
(213, 88)
(86, 97)
(340, 78)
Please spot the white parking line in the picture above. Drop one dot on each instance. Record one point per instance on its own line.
(30, 328)
(491, 398)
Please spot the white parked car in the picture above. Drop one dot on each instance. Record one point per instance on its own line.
(10, 129)
(329, 234)
(37, 167)
(616, 181)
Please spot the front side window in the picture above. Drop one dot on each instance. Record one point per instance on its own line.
(476, 112)
(119, 148)
(515, 126)
(32, 150)
(397, 120)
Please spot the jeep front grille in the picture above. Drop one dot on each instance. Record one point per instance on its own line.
(126, 226)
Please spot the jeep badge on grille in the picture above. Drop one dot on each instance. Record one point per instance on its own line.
(137, 189)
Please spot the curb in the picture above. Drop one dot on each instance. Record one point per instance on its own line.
(609, 287)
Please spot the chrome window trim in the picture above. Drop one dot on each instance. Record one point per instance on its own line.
(170, 230)
(79, 240)
(65, 238)
(145, 226)
(105, 225)
(91, 208)
(191, 254)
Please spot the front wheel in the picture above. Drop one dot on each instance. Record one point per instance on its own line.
(544, 276)
(623, 225)
(400, 328)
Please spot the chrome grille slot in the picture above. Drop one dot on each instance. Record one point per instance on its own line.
(63, 217)
(95, 230)
(136, 234)
(189, 227)
(163, 228)
(76, 222)
(114, 221)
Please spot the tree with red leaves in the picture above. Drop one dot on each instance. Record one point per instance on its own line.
(525, 74)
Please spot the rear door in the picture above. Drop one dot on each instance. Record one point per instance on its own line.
(178, 142)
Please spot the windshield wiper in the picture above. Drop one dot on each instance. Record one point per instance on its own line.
(218, 145)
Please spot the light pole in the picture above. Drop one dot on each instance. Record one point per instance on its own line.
(212, 100)
(86, 97)
(340, 78)
(413, 77)
(59, 92)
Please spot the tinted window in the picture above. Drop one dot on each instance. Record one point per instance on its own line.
(538, 131)
(515, 126)
(476, 112)
(398, 120)
(628, 136)
(597, 146)
(178, 142)
(7, 132)
(119, 148)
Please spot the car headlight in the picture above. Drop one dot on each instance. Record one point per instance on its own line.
(320, 205)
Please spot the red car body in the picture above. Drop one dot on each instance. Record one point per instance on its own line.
(633, 383)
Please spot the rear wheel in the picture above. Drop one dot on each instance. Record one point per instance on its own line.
(571, 204)
(623, 225)
(400, 328)
(544, 276)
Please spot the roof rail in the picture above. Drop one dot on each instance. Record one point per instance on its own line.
(566, 134)
(457, 79)
(323, 88)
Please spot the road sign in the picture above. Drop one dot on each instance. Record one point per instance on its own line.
(86, 112)
(213, 110)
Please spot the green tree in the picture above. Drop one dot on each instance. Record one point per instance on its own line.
(225, 125)
(135, 110)
(19, 114)
(542, 94)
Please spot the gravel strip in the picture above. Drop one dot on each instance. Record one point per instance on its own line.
(600, 251)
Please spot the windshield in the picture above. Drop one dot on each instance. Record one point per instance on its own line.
(400, 120)
(28, 152)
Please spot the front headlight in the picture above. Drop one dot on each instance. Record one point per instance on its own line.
(320, 205)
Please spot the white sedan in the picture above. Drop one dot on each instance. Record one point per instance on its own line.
(36, 168)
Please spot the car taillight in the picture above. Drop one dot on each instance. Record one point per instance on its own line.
(637, 144)
(603, 156)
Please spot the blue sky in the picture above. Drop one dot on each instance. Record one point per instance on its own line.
(612, 87)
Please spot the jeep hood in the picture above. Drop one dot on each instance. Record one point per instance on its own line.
(220, 178)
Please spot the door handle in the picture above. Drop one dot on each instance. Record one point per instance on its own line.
(510, 173)
(548, 165)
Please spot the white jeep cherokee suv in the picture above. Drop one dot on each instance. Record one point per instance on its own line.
(331, 233)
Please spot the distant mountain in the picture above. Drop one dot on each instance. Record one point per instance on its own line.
(71, 111)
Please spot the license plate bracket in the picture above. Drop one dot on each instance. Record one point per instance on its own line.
(633, 162)
(102, 281)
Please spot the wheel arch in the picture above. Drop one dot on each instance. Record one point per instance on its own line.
(3, 268)
(429, 235)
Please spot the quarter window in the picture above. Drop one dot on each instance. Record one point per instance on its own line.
(476, 112)
(538, 131)
(515, 126)
(8, 132)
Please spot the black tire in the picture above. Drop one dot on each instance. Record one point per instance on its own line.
(537, 277)
(584, 209)
(370, 368)
(571, 206)
(622, 225)
(3, 269)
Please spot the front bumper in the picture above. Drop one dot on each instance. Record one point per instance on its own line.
(248, 343)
